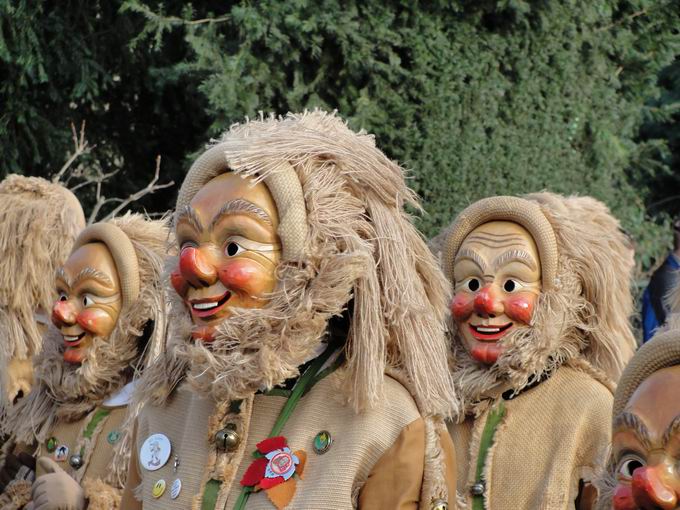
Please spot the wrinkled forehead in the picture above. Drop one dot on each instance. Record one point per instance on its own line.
(239, 194)
(656, 400)
(492, 238)
(92, 260)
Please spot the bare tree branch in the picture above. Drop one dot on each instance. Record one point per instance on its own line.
(80, 147)
(150, 188)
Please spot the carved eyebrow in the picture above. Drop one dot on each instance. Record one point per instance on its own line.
(188, 214)
(61, 274)
(241, 206)
(671, 430)
(90, 273)
(627, 420)
(466, 253)
(515, 255)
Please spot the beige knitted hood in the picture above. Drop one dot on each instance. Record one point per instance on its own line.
(39, 221)
(345, 237)
(66, 391)
(662, 351)
(582, 313)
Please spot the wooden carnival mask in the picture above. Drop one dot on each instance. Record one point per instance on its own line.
(646, 445)
(89, 299)
(229, 250)
(497, 280)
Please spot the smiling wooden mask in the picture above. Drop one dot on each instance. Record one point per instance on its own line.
(89, 299)
(497, 280)
(229, 250)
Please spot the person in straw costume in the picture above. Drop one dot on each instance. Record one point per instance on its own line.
(539, 333)
(642, 469)
(108, 316)
(39, 220)
(306, 367)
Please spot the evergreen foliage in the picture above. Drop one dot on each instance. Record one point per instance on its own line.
(475, 97)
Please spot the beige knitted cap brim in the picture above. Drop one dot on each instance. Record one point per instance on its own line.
(123, 253)
(662, 351)
(524, 212)
(283, 184)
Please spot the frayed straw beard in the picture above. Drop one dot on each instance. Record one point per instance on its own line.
(531, 353)
(68, 391)
(258, 349)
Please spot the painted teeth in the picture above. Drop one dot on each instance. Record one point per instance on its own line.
(70, 338)
(488, 330)
(205, 306)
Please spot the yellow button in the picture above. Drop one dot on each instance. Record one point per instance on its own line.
(158, 489)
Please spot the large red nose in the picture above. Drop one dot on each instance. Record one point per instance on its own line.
(195, 269)
(64, 314)
(650, 492)
(487, 303)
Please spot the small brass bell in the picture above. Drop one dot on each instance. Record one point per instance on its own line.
(227, 439)
(75, 461)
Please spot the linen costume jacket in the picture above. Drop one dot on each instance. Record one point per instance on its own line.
(95, 437)
(552, 438)
(376, 459)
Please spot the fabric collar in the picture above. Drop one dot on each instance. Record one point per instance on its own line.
(122, 397)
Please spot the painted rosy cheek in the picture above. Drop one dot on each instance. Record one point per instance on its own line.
(179, 283)
(95, 321)
(623, 498)
(461, 306)
(520, 307)
(241, 275)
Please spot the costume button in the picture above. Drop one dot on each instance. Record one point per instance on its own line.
(51, 444)
(322, 442)
(75, 461)
(227, 438)
(440, 504)
(477, 489)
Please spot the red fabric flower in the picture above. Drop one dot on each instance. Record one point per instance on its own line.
(270, 444)
(255, 472)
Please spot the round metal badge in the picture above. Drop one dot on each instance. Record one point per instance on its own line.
(176, 488)
(155, 452)
(322, 442)
(158, 489)
(61, 453)
(113, 437)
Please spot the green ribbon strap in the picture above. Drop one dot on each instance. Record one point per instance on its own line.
(485, 442)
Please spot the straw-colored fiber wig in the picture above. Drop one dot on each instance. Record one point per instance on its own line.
(355, 252)
(582, 315)
(39, 221)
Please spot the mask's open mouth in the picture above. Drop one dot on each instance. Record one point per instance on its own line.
(73, 341)
(489, 332)
(207, 307)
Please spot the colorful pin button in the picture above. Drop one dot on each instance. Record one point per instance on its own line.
(155, 452)
(61, 453)
(158, 489)
(322, 442)
(176, 488)
(51, 444)
(113, 437)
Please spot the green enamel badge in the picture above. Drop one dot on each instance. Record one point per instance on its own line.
(51, 444)
(322, 442)
(113, 437)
